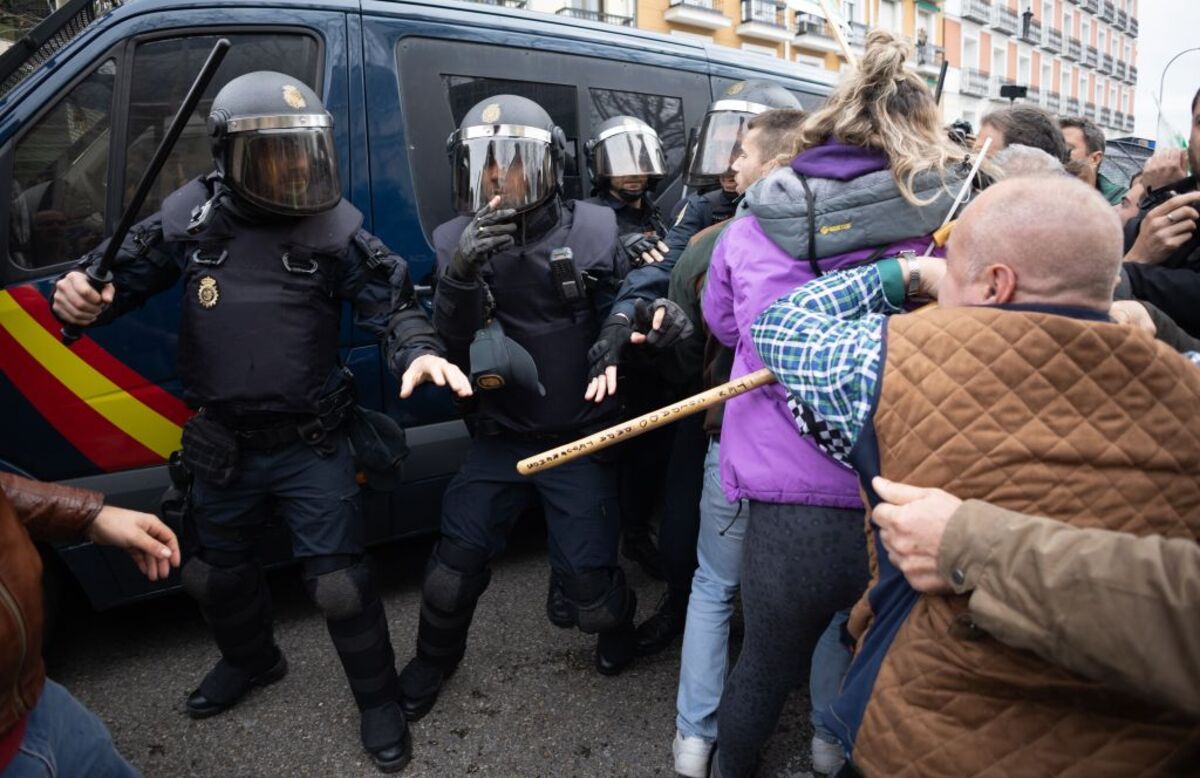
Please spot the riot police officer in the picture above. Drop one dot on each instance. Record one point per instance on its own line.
(718, 145)
(626, 161)
(525, 278)
(268, 249)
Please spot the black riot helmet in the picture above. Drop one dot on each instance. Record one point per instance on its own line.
(509, 146)
(724, 124)
(272, 141)
(625, 146)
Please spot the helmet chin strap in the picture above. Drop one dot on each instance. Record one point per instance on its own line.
(630, 197)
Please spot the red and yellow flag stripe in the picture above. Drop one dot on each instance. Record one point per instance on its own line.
(111, 414)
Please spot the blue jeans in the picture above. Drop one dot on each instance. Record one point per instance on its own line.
(830, 661)
(705, 659)
(64, 738)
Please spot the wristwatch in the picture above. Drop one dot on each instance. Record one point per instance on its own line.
(914, 273)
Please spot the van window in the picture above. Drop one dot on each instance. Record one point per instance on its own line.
(557, 99)
(664, 114)
(60, 170)
(162, 72)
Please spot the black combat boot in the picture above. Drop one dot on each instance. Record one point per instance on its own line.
(660, 630)
(616, 648)
(236, 603)
(225, 685)
(637, 546)
(558, 609)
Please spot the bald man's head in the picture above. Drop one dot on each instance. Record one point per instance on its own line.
(1039, 239)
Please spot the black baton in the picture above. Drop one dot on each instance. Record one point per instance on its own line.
(99, 273)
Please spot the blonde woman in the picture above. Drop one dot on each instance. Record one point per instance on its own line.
(873, 175)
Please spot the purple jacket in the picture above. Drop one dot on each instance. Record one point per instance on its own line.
(764, 457)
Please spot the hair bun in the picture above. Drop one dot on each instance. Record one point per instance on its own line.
(884, 57)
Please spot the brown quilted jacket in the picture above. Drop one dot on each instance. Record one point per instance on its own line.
(47, 512)
(1089, 423)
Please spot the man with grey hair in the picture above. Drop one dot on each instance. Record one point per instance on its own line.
(1022, 391)
(1086, 143)
(1021, 160)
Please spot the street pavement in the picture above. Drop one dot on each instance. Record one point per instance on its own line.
(525, 702)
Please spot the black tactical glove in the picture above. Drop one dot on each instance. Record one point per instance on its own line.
(641, 249)
(606, 351)
(675, 327)
(488, 232)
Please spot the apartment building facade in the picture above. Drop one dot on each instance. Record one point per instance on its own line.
(795, 30)
(1075, 57)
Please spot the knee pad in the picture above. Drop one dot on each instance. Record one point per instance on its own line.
(341, 593)
(455, 577)
(212, 585)
(601, 598)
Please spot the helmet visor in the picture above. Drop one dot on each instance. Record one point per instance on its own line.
(719, 144)
(287, 171)
(630, 153)
(518, 169)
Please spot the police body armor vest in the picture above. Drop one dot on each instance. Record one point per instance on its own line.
(260, 320)
(555, 334)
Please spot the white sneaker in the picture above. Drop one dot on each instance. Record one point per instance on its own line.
(827, 758)
(691, 755)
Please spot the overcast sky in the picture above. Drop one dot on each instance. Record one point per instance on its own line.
(1166, 28)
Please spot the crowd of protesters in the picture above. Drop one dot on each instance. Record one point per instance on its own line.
(1052, 379)
(965, 516)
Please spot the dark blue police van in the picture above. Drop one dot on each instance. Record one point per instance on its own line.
(84, 101)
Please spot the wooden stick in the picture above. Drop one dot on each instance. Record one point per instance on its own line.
(644, 423)
(832, 19)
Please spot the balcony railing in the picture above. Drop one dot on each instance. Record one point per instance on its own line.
(1071, 106)
(929, 56)
(1120, 70)
(1106, 117)
(1089, 112)
(703, 5)
(1033, 34)
(975, 82)
(595, 16)
(1004, 19)
(765, 12)
(977, 10)
(1128, 122)
(1133, 26)
(1122, 19)
(1108, 11)
(1090, 5)
(1107, 63)
(1052, 40)
(1132, 77)
(856, 35)
(1090, 56)
(1118, 119)
(1072, 48)
(808, 24)
(1052, 101)
(1033, 95)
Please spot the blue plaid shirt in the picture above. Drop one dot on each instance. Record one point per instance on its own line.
(824, 342)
